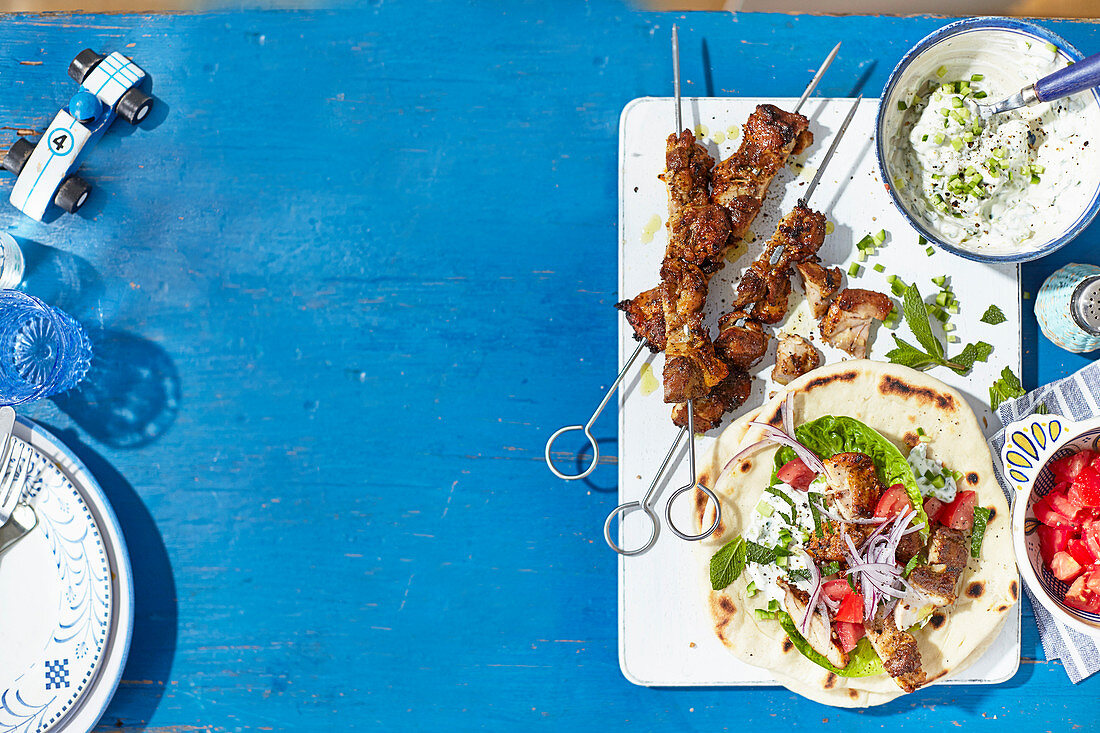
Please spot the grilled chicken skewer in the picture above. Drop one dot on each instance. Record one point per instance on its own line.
(645, 314)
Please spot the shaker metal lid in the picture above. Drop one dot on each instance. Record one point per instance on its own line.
(1085, 305)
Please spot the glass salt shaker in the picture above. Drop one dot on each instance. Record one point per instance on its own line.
(1068, 307)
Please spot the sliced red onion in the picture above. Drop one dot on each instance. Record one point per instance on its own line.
(745, 454)
(815, 578)
(872, 536)
(808, 456)
(913, 529)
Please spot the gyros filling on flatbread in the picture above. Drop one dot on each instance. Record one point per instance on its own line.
(864, 549)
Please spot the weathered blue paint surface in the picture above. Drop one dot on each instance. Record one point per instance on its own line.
(358, 265)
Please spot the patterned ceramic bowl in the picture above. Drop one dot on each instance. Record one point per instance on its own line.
(1030, 445)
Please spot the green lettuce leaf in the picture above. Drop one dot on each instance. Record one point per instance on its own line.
(832, 434)
(862, 661)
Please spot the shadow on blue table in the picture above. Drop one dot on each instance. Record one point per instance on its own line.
(63, 280)
(131, 394)
(155, 610)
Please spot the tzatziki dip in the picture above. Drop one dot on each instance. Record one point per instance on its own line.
(1006, 182)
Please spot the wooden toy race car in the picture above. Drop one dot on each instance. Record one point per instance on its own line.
(46, 171)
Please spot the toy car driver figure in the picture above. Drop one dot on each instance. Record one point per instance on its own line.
(85, 106)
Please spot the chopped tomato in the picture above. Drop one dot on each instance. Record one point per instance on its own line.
(1083, 593)
(1090, 533)
(1085, 490)
(933, 507)
(1079, 550)
(1049, 516)
(1067, 467)
(796, 474)
(1061, 503)
(836, 589)
(1053, 540)
(894, 501)
(1064, 567)
(851, 609)
(959, 514)
(849, 635)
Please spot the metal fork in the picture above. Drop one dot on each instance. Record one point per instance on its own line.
(16, 458)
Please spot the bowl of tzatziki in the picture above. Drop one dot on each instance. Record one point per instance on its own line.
(1009, 187)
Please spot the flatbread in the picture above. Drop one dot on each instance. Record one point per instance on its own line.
(895, 401)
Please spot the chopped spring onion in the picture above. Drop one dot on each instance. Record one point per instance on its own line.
(880, 237)
(956, 102)
(957, 143)
(941, 72)
(938, 138)
(879, 267)
(867, 242)
(976, 77)
(764, 509)
(1051, 47)
(980, 95)
(901, 106)
(929, 250)
(853, 271)
(940, 281)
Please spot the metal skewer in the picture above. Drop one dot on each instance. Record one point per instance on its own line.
(587, 427)
(817, 77)
(829, 153)
(646, 505)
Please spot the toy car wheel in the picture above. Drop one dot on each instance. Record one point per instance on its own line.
(134, 106)
(72, 193)
(83, 64)
(18, 155)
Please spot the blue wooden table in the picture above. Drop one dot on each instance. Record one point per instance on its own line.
(343, 284)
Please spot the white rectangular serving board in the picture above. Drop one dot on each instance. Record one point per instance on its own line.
(665, 633)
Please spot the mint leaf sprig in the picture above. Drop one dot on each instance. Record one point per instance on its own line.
(1008, 387)
(915, 311)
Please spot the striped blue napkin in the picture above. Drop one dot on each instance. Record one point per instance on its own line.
(1077, 397)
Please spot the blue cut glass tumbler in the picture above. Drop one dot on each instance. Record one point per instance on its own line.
(43, 351)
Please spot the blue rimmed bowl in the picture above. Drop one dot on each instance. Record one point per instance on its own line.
(1030, 446)
(974, 41)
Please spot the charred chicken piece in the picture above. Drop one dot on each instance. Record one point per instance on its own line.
(687, 172)
(699, 235)
(936, 587)
(794, 357)
(750, 289)
(645, 314)
(820, 285)
(857, 487)
(728, 395)
(800, 233)
(947, 548)
(832, 545)
(765, 287)
(907, 548)
(818, 633)
(847, 324)
(773, 306)
(692, 368)
(740, 346)
(898, 652)
(769, 138)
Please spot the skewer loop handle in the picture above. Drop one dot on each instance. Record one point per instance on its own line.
(591, 441)
(621, 512)
(711, 497)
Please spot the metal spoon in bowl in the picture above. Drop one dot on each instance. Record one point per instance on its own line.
(1074, 78)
